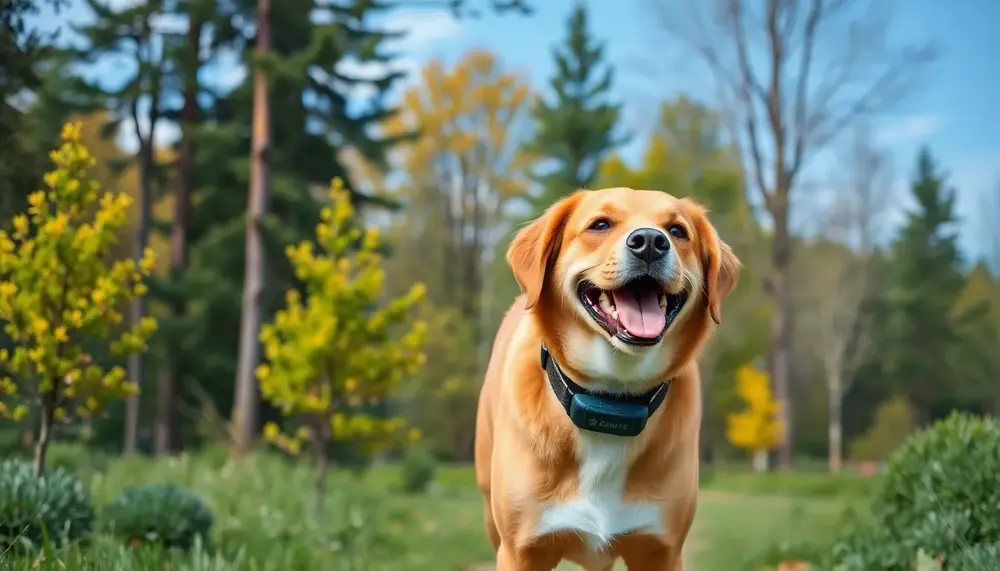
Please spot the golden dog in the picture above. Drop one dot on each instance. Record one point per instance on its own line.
(588, 421)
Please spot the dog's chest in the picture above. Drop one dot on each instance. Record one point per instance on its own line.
(599, 512)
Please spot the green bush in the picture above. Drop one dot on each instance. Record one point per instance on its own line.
(940, 494)
(977, 558)
(417, 467)
(54, 509)
(76, 458)
(893, 423)
(953, 467)
(162, 514)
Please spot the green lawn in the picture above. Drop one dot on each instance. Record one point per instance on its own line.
(266, 521)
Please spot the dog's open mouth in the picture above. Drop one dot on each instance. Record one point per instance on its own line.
(639, 312)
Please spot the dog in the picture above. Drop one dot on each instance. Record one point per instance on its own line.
(586, 444)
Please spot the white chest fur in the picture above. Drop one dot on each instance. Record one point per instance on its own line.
(599, 512)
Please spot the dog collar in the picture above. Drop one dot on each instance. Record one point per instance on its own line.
(617, 414)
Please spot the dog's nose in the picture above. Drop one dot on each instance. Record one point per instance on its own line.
(648, 244)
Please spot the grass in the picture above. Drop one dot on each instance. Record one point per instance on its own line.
(733, 530)
(266, 521)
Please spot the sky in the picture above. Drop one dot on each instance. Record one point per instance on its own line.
(954, 107)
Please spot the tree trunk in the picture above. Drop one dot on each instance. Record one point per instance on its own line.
(835, 424)
(244, 417)
(167, 438)
(45, 430)
(760, 461)
(781, 325)
(320, 481)
(135, 360)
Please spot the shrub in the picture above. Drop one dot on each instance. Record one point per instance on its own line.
(953, 467)
(977, 558)
(417, 469)
(940, 494)
(163, 514)
(55, 508)
(893, 423)
(76, 458)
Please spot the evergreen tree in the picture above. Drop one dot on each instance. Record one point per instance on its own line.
(317, 113)
(23, 51)
(579, 126)
(926, 282)
(130, 33)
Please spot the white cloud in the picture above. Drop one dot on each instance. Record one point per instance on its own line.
(423, 28)
(910, 128)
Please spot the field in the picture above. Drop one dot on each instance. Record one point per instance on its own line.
(266, 518)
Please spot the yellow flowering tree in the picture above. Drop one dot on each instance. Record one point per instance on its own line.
(756, 429)
(59, 293)
(341, 348)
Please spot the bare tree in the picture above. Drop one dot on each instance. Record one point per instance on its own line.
(794, 74)
(837, 276)
(247, 399)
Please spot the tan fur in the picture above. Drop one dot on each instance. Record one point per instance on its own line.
(527, 448)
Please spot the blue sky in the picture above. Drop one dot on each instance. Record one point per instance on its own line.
(955, 109)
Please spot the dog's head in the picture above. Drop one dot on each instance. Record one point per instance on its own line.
(627, 281)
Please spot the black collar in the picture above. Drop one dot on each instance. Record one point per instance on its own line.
(618, 414)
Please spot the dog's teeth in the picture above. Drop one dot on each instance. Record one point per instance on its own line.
(606, 304)
(663, 301)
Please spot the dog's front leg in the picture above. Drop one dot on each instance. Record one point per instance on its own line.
(661, 559)
(524, 560)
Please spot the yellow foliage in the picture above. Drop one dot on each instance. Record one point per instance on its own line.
(756, 428)
(473, 114)
(341, 347)
(60, 291)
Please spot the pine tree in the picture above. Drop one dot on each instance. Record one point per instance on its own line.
(138, 105)
(317, 113)
(578, 128)
(204, 19)
(926, 282)
(22, 49)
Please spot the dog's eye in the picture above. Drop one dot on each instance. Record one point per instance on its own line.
(600, 225)
(678, 231)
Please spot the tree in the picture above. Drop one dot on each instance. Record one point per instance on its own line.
(793, 79)
(326, 107)
(23, 51)
(579, 127)
(688, 155)
(460, 174)
(976, 317)
(59, 294)
(189, 58)
(836, 277)
(244, 418)
(893, 423)
(131, 32)
(926, 282)
(757, 429)
(338, 350)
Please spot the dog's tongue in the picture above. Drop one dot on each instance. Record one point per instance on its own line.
(639, 311)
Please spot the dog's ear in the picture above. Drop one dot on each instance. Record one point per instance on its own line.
(721, 267)
(536, 245)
